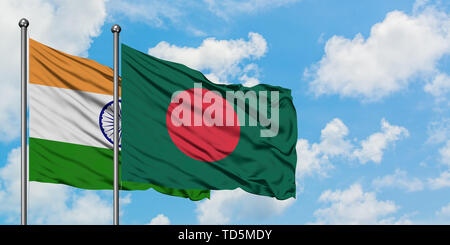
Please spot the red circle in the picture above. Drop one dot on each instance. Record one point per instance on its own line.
(205, 142)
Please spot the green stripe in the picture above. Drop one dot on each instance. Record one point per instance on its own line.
(86, 167)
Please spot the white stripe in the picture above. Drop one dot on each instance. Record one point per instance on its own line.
(66, 115)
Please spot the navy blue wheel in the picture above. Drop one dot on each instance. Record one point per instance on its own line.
(106, 122)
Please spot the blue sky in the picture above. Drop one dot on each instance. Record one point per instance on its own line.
(370, 81)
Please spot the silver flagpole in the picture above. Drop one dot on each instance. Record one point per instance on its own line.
(23, 23)
(116, 30)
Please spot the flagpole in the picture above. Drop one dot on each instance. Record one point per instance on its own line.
(116, 30)
(23, 24)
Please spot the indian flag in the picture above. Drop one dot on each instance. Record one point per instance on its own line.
(71, 123)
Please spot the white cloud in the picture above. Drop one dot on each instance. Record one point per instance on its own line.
(385, 62)
(228, 8)
(440, 182)
(220, 59)
(50, 203)
(398, 180)
(443, 180)
(332, 139)
(194, 31)
(354, 206)
(439, 86)
(445, 153)
(419, 5)
(179, 13)
(372, 148)
(160, 219)
(65, 25)
(87, 208)
(151, 12)
(250, 74)
(439, 131)
(10, 184)
(444, 211)
(403, 220)
(229, 206)
(249, 81)
(315, 158)
(125, 200)
(310, 160)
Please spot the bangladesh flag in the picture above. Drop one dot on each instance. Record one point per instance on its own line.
(182, 131)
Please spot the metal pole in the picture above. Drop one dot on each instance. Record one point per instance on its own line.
(116, 30)
(23, 24)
